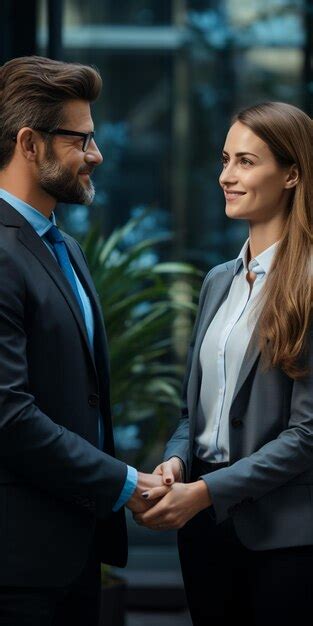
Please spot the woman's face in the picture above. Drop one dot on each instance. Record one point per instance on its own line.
(256, 188)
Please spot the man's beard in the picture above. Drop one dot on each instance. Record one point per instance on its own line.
(59, 182)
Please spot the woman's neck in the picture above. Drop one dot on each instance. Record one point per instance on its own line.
(262, 236)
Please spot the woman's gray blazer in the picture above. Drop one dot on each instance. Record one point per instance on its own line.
(267, 488)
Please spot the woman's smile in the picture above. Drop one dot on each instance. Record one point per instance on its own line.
(232, 196)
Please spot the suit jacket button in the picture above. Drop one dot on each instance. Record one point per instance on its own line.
(93, 400)
(236, 423)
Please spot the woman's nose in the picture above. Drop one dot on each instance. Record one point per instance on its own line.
(228, 174)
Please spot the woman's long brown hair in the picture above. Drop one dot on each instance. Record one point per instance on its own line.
(286, 303)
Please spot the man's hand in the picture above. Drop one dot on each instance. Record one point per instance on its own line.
(146, 482)
(171, 471)
(179, 505)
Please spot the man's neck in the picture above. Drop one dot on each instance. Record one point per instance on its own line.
(39, 200)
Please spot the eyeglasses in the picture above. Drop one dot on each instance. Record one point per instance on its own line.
(87, 137)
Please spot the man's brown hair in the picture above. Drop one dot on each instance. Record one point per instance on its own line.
(33, 91)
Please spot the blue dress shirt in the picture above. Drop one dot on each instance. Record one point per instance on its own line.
(41, 224)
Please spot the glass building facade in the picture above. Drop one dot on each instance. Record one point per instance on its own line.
(174, 71)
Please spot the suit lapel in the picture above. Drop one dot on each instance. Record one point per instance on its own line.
(87, 282)
(82, 270)
(214, 298)
(251, 354)
(33, 242)
(216, 294)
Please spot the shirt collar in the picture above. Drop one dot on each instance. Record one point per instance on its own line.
(37, 220)
(260, 264)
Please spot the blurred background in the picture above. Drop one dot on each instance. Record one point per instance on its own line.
(174, 72)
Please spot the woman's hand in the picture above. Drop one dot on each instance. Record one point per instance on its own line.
(180, 504)
(145, 482)
(171, 471)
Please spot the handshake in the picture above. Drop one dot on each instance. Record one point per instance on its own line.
(162, 501)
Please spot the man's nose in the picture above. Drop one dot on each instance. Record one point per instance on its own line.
(93, 154)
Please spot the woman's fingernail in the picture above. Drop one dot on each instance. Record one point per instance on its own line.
(145, 494)
(168, 481)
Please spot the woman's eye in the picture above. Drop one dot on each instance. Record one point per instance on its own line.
(224, 161)
(246, 161)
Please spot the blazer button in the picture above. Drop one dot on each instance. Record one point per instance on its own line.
(93, 400)
(236, 423)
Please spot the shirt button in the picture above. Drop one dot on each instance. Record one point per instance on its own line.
(236, 422)
(220, 390)
(220, 353)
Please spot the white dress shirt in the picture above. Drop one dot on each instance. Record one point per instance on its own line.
(222, 352)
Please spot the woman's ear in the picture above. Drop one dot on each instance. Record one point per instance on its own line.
(292, 177)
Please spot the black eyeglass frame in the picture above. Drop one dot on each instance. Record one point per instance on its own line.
(87, 137)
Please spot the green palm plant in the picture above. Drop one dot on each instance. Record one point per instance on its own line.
(143, 302)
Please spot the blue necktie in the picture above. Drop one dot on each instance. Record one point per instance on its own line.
(54, 236)
(59, 247)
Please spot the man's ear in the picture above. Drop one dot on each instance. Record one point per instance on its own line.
(292, 177)
(27, 142)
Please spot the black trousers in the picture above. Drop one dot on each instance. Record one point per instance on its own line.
(225, 582)
(77, 604)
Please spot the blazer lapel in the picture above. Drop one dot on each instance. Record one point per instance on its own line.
(251, 354)
(82, 268)
(33, 242)
(84, 275)
(215, 296)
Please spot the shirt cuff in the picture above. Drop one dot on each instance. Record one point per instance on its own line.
(128, 489)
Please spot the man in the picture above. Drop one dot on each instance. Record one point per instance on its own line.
(61, 489)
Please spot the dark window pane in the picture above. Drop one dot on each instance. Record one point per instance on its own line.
(135, 12)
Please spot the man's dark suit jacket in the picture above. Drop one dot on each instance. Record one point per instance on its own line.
(56, 487)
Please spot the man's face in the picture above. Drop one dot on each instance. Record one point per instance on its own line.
(64, 172)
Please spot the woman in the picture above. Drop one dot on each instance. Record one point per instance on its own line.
(246, 431)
